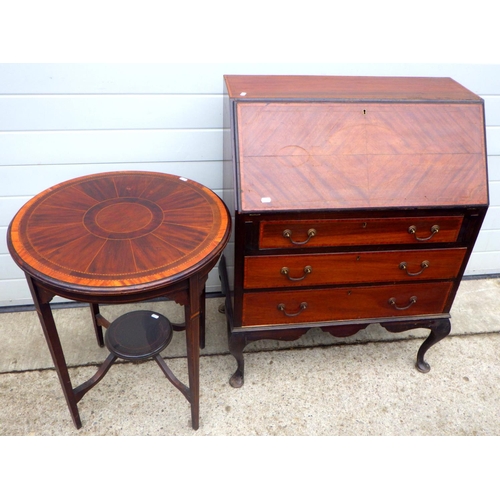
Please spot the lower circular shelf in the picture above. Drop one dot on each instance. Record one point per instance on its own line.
(138, 335)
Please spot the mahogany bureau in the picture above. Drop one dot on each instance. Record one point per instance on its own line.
(356, 200)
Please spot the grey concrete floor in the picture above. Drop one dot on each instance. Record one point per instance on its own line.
(364, 385)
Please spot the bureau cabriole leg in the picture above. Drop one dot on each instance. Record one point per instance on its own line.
(439, 330)
(237, 343)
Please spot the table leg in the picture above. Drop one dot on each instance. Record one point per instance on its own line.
(202, 318)
(193, 315)
(42, 305)
(96, 315)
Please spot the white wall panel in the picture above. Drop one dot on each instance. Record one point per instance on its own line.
(494, 193)
(207, 78)
(14, 292)
(494, 168)
(483, 263)
(8, 269)
(36, 178)
(60, 121)
(493, 141)
(9, 207)
(492, 110)
(3, 242)
(491, 221)
(109, 146)
(103, 112)
(110, 79)
(488, 241)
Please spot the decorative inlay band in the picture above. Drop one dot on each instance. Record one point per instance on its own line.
(119, 229)
(123, 219)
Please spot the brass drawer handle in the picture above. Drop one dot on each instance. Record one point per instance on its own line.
(285, 271)
(413, 230)
(287, 233)
(302, 307)
(392, 301)
(404, 266)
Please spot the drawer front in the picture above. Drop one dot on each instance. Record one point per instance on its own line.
(353, 232)
(346, 303)
(343, 268)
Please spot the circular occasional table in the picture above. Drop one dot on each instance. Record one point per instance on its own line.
(121, 237)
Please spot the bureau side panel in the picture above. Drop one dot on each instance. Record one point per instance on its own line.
(226, 267)
(228, 152)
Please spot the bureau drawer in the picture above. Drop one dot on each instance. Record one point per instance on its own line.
(346, 303)
(352, 232)
(361, 267)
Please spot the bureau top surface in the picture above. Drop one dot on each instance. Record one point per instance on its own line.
(379, 88)
(320, 143)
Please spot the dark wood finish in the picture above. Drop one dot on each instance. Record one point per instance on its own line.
(138, 335)
(121, 237)
(439, 328)
(369, 191)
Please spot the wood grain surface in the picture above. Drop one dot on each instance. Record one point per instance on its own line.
(296, 156)
(351, 267)
(119, 230)
(344, 303)
(346, 87)
(362, 231)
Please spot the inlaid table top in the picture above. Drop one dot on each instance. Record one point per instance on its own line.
(107, 233)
